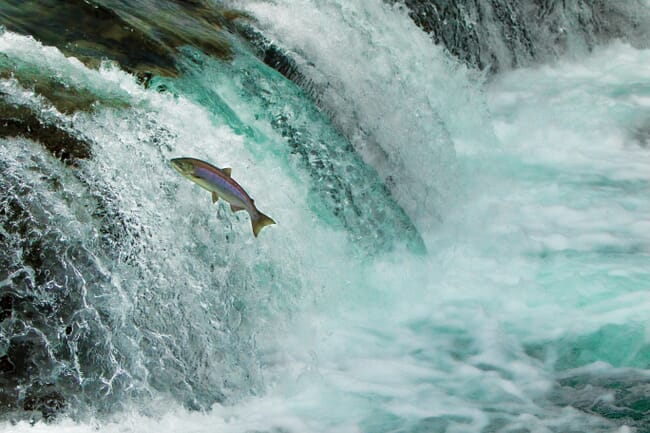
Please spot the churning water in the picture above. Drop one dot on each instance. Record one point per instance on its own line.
(454, 252)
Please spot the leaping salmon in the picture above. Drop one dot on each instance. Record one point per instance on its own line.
(221, 185)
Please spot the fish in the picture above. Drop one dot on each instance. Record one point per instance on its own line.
(219, 182)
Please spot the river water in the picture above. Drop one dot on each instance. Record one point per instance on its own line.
(455, 251)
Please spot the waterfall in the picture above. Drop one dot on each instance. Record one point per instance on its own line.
(461, 197)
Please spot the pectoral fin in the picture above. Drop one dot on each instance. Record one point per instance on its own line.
(215, 197)
(227, 171)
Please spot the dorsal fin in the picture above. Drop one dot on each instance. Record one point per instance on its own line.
(227, 171)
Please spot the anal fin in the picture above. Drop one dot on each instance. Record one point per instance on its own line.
(236, 208)
(215, 197)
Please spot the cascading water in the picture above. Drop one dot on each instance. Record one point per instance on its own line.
(401, 137)
(456, 250)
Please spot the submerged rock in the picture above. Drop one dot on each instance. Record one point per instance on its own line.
(642, 135)
(622, 397)
(56, 352)
(22, 121)
(65, 96)
(141, 37)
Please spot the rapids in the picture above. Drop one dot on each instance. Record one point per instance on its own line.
(460, 247)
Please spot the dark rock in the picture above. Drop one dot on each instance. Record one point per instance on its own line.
(621, 396)
(500, 34)
(45, 400)
(21, 121)
(141, 37)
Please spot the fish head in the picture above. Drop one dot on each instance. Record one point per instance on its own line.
(183, 165)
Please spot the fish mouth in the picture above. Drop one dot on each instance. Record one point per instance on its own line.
(181, 166)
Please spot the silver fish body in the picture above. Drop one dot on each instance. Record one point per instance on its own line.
(221, 185)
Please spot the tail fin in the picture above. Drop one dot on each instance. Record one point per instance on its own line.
(260, 221)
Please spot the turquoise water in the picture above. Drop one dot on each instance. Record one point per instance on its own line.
(530, 191)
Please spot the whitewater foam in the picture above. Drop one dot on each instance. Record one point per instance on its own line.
(427, 99)
(535, 287)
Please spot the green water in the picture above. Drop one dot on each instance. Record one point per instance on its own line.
(526, 313)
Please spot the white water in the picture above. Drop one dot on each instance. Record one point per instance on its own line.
(545, 240)
(350, 51)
